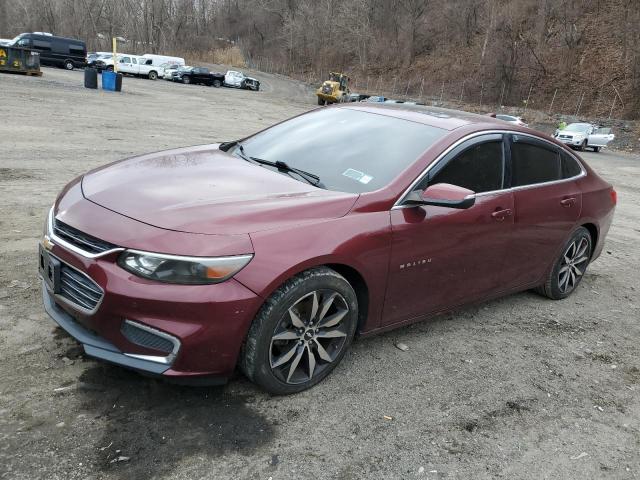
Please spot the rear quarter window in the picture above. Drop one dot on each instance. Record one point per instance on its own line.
(570, 166)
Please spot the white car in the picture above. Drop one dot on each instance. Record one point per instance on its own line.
(168, 69)
(511, 119)
(585, 135)
(240, 80)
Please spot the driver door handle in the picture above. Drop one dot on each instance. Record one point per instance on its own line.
(568, 202)
(500, 215)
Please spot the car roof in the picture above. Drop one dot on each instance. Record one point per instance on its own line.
(433, 116)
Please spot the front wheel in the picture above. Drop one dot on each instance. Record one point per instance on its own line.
(186, 80)
(569, 269)
(596, 149)
(301, 332)
(68, 65)
(217, 83)
(583, 146)
(320, 101)
(153, 75)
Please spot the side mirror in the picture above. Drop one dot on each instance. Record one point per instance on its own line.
(442, 195)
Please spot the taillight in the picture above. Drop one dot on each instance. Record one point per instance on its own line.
(614, 196)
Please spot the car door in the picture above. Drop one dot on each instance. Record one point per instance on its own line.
(124, 65)
(600, 137)
(442, 257)
(548, 203)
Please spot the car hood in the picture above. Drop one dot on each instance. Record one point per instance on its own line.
(205, 190)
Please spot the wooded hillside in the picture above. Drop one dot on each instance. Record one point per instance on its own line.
(582, 54)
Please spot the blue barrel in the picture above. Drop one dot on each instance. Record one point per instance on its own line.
(111, 81)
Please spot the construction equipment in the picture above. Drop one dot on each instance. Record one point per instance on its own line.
(19, 60)
(334, 90)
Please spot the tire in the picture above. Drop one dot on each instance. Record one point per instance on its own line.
(305, 354)
(583, 146)
(153, 75)
(109, 68)
(596, 149)
(186, 80)
(576, 254)
(68, 65)
(320, 101)
(217, 83)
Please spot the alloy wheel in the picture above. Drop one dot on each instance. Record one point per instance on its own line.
(574, 264)
(309, 337)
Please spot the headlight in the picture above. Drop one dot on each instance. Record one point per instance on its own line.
(183, 270)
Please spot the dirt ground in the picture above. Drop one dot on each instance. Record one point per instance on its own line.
(521, 387)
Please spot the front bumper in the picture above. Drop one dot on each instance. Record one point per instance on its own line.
(570, 141)
(208, 323)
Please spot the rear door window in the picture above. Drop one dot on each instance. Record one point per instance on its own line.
(533, 162)
(76, 50)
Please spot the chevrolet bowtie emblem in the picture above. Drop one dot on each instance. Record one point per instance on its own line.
(46, 243)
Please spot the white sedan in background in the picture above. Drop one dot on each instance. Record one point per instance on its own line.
(511, 119)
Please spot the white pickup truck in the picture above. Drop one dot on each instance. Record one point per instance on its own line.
(139, 66)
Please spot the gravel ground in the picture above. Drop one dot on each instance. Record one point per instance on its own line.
(521, 387)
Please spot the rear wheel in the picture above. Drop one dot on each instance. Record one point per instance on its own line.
(153, 75)
(217, 83)
(68, 65)
(186, 80)
(301, 333)
(569, 269)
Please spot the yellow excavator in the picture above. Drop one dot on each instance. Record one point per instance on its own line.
(334, 89)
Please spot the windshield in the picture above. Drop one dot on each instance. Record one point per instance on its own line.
(578, 127)
(350, 150)
(185, 69)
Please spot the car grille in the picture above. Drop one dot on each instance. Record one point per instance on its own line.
(146, 338)
(327, 89)
(81, 240)
(79, 289)
(567, 137)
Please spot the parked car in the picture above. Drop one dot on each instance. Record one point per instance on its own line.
(199, 75)
(240, 80)
(375, 99)
(138, 66)
(96, 59)
(168, 69)
(585, 135)
(510, 118)
(55, 51)
(273, 251)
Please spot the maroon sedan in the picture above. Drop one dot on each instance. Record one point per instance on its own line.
(270, 253)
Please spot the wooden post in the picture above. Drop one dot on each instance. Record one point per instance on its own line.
(501, 97)
(552, 100)
(406, 92)
(481, 92)
(442, 91)
(367, 89)
(526, 103)
(612, 105)
(421, 86)
(393, 90)
(115, 57)
(462, 90)
(579, 104)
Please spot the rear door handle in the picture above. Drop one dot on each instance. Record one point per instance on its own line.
(568, 202)
(500, 215)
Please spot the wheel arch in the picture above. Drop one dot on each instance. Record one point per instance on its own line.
(351, 273)
(593, 232)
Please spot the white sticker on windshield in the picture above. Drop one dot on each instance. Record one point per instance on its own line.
(357, 175)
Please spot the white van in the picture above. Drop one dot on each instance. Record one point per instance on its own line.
(157, 60)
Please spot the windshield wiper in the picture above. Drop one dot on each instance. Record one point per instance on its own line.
(309, 177)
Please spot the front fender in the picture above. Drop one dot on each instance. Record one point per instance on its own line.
(361, 241)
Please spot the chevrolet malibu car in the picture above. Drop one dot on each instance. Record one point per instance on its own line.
(270, 253)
